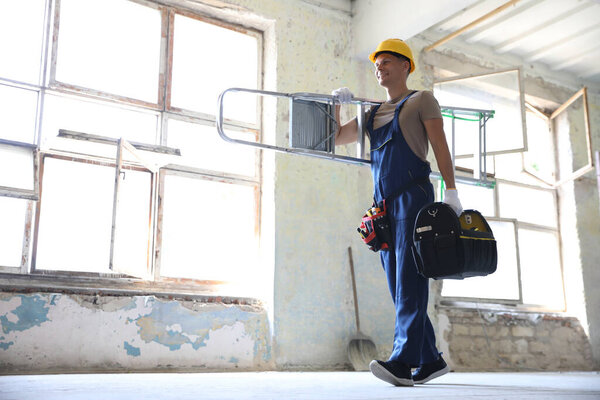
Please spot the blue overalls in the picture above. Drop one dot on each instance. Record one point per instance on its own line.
(396, 168)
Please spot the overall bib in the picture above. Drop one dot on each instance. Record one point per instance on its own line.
(402, 178)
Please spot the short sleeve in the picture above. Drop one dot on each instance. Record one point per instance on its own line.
(430, 108)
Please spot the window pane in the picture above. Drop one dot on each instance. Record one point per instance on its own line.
(476, 198)
(75, 216)
(571, 133)
(110, 45)
(539, 158)
(94, 118)
(502, 284)
(209, 230)
(466, 135)
(499, 92)
(470, 164)
(510, 167)
(208, 59)
(133, 236)
(21, 31)
(541, 268)
(527, 204)
(16, 167)
(18, 114)
(202, 147)
(12, 230)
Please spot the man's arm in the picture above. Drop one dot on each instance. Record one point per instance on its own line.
(348, 132)
(437, 138)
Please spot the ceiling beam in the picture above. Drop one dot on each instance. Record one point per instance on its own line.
(551, 47)
(582, 55)
(471, 25)
(483, 31)
(522, 36)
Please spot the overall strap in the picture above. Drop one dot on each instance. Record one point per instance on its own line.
(372, 116)
(399, 106)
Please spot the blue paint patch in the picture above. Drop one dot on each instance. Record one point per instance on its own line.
(32, 312)
(6, 345)
(132, 304)
(200, 342)
(132, 350)
(53, 299)
(193, 327)
(234, 360)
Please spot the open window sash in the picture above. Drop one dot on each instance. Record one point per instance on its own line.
(120, 260)
(589, 165)
(117, 246)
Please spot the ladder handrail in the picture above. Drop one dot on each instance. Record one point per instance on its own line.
(321, 154)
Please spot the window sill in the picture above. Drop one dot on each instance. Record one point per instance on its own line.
(503, 307)
(109, 286)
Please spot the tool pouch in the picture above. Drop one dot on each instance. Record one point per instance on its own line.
(375, 229)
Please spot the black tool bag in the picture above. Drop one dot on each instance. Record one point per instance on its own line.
(446, 247)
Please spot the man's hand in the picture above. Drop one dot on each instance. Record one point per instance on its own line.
(451, 198)
(342, 95)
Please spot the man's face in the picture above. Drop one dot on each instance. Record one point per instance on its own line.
(389, 68)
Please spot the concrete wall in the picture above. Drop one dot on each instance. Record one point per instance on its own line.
(488, 340)
(310, 211)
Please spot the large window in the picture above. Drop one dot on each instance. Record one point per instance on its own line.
(522, 206)
(111, 162)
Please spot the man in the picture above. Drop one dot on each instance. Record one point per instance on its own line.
(399, 131)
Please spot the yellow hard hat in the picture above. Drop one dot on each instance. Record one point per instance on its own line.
(395, 46)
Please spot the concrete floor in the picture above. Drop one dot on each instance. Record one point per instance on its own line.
(298, 385)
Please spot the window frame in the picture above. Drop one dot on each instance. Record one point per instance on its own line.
(28, 273)
(174, 170)
(589, 166)
(521, 89)
(544, 186)
(519, 304)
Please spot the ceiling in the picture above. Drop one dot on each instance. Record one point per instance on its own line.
(563, 36)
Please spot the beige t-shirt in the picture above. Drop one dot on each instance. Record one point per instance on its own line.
(420, 107)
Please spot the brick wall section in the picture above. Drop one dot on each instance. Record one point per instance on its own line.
(495, 341)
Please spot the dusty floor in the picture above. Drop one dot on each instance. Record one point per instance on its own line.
(298, 385)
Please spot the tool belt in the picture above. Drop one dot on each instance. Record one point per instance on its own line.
(375, 228)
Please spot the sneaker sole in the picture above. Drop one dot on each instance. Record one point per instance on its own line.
(386, 376)
(436, 374)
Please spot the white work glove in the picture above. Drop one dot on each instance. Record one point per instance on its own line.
(451, 198)
(342, 95)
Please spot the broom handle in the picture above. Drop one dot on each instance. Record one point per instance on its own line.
(354, 289)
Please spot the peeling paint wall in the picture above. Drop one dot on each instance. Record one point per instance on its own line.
(57, 332)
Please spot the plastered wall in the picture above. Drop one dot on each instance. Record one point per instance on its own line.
(58, 332)
(310, 211)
